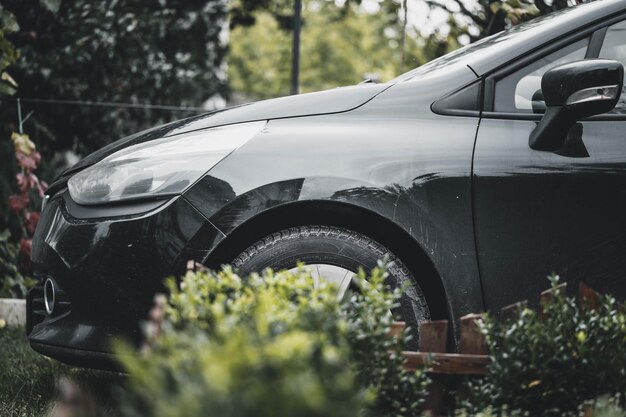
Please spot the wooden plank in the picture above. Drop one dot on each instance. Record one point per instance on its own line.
(193, 266)
(397, 329)
(547, 296)
(587, 297)
(472, 341)
(433, 336)
(447, 363)
(510, 312)
(154, 325)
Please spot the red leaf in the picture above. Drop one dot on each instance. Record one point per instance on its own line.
(18, 202)
(26, 246)
(43, 186)
(26, 181)
(28, 162)
(31, 218)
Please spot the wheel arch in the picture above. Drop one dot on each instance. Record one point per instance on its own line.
(349, 216)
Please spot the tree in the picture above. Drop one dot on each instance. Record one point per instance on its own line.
(487, 17)
(341, 45)
(159, 52)
(244, 12)
(287, 15)
(8, 54)
(166, 52)
(15, 258)
(8, 57)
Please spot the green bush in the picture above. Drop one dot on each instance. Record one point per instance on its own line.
(549, 367)
(271, 345)
(13, 284)
(601, 407)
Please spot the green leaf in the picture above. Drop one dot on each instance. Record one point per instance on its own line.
(8, 23)
(6, 77)
(7, 89)
(52, 5)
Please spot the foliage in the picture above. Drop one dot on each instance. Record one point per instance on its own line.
(601, 407)
(160, 52)
(28, 184)
(377, 357)
(15, 263)
(168, 52)
(607, 406)
(343, 44)
(340, 46)
(8, 57)
(487, 17)
(548, 366)
(244, 12)
(270, 345)
(12, 283)
(8, 54)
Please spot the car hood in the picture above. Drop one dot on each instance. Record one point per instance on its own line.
(337, 100)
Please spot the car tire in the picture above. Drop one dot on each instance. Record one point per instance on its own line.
(326, 245)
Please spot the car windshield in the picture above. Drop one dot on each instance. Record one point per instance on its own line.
(471, 49)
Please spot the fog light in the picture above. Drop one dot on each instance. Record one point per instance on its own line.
(49, 291)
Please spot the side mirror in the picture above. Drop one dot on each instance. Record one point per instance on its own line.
(572, 92)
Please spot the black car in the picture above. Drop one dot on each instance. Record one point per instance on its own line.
(475, 175)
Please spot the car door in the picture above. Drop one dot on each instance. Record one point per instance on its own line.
(535, 212)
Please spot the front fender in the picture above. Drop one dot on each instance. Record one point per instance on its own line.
(383, 157)
(227, 210)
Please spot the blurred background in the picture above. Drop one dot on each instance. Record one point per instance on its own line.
(76, 75)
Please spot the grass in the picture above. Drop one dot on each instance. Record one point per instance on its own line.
(32, 385)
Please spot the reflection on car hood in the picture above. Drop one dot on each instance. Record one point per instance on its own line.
(337, 100)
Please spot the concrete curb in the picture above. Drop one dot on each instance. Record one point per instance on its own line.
(13, 311)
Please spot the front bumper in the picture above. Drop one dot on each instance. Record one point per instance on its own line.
(107, 271)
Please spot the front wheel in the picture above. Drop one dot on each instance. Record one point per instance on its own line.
(335, 254)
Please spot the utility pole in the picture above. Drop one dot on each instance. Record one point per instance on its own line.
(295, 50)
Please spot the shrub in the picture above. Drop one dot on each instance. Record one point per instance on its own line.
(601, 407)
(15, 266)
(377, 357)
(270, 345)
(8, 54)
(552, 365)
(605, 407)
(12, 283)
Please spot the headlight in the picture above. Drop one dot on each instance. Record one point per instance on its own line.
(160, 167)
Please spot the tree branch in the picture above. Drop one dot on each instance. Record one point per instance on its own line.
(475, 18)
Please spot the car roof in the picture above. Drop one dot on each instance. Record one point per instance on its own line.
(492, 52)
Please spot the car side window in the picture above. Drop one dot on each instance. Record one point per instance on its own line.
(614, 47)
(520, 91)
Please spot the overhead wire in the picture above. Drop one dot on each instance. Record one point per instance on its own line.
(108, 104)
